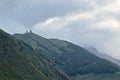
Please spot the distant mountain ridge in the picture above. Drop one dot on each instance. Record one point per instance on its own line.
(68, 56)
(103, 55)
(18, 61)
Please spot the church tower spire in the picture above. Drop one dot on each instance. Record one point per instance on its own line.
(30, 31)
(27, 31)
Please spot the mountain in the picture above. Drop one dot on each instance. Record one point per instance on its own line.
(18, 61)
(71, 58)
(103, 55)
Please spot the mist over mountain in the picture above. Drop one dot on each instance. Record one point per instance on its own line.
(103, 55)
(71, 58)
(59, 39)
(31, 57)
(84, 22)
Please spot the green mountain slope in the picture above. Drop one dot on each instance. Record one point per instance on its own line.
(18, 61)
(70, 57)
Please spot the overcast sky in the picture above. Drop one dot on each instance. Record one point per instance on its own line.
(84, 22)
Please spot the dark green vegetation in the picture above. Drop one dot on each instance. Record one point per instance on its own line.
(69, 57)
(18, 61)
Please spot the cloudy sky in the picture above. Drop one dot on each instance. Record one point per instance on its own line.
(93, 23)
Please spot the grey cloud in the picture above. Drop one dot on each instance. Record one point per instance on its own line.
(82, 32)
(19, 15)
(29, 12)
(104, 2)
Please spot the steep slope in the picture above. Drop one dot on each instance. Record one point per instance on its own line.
(70, 57)
(18, 61)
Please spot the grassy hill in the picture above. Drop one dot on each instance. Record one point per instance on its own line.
(71, 58)
(18, 61)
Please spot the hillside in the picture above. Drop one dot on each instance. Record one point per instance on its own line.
(68, 56)
(18, 61)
